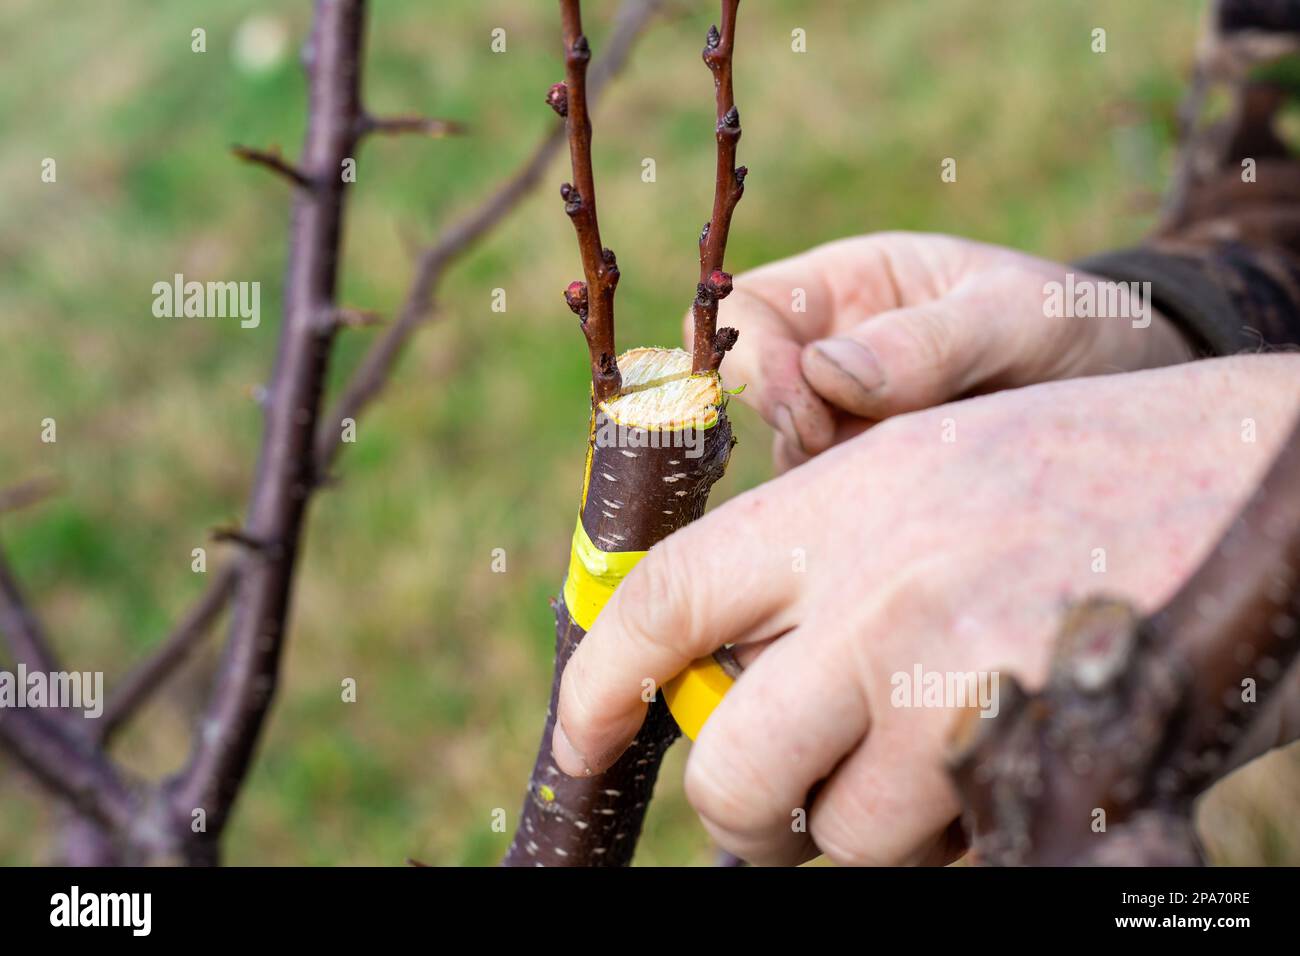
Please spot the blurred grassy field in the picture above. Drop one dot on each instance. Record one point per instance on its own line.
(479, 443)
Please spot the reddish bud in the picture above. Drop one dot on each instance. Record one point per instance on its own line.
(720, 283)
(576, 297)
(557, 98)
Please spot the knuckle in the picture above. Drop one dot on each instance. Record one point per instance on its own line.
(931, 340)
(655, 605)
(844, 841)
(717, 795)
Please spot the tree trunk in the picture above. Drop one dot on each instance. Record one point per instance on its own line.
(653, 453)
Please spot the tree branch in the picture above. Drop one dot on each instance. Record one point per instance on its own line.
(272, 160)
(398, 125)
(594, 308)
(709, 345)
(286, 473)
(1139, 716)
(147, 678)
(376, 368)
(26, 636)
(26, 493)
(68, 764)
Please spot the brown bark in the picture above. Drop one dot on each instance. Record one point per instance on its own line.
(598, 263)
(710, 344)
(634, 497)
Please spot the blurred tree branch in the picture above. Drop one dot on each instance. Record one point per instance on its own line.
(113, 822)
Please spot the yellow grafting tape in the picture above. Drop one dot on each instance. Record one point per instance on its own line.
(695, 692)
(593, 576)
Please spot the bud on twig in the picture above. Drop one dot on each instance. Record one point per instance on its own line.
(576, 297)
(572, 199)
(557, 98)
(720, 283)
(709, 344)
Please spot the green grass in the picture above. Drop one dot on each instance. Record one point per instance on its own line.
(478, 444)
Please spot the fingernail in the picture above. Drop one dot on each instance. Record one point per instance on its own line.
(854, 359)
(785, 423)
(568, 757)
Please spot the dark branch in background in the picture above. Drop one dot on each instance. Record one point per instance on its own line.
(105, 821)
(594, 306)
(710, 344)
(272, 160)
(286, 474)
(372, 375)
(377, 366)
(398, 125)
(138, 686)
(67, 764)
(19, 624)
(26, 493)
(1240, 36)
(1140, 716)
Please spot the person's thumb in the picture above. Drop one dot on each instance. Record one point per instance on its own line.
(906, 359)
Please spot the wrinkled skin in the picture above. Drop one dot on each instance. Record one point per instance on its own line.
(947, 538)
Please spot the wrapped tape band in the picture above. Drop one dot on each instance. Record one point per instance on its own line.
(593, 576)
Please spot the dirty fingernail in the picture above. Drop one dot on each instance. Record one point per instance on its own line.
(854, 359)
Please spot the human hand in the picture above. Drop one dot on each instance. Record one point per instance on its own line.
(947, 540)
(895, 322)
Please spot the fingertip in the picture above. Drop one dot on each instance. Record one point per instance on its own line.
(845, 372)
(566, 756)
(591, 732)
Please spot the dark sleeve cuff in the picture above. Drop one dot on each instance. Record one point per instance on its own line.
(1183, 291)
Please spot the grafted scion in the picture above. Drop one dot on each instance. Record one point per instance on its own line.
(709, 345)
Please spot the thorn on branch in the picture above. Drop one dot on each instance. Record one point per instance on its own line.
(557, 98)
(398, 125)
(265, 548)
(272, 160)
(347, 318)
